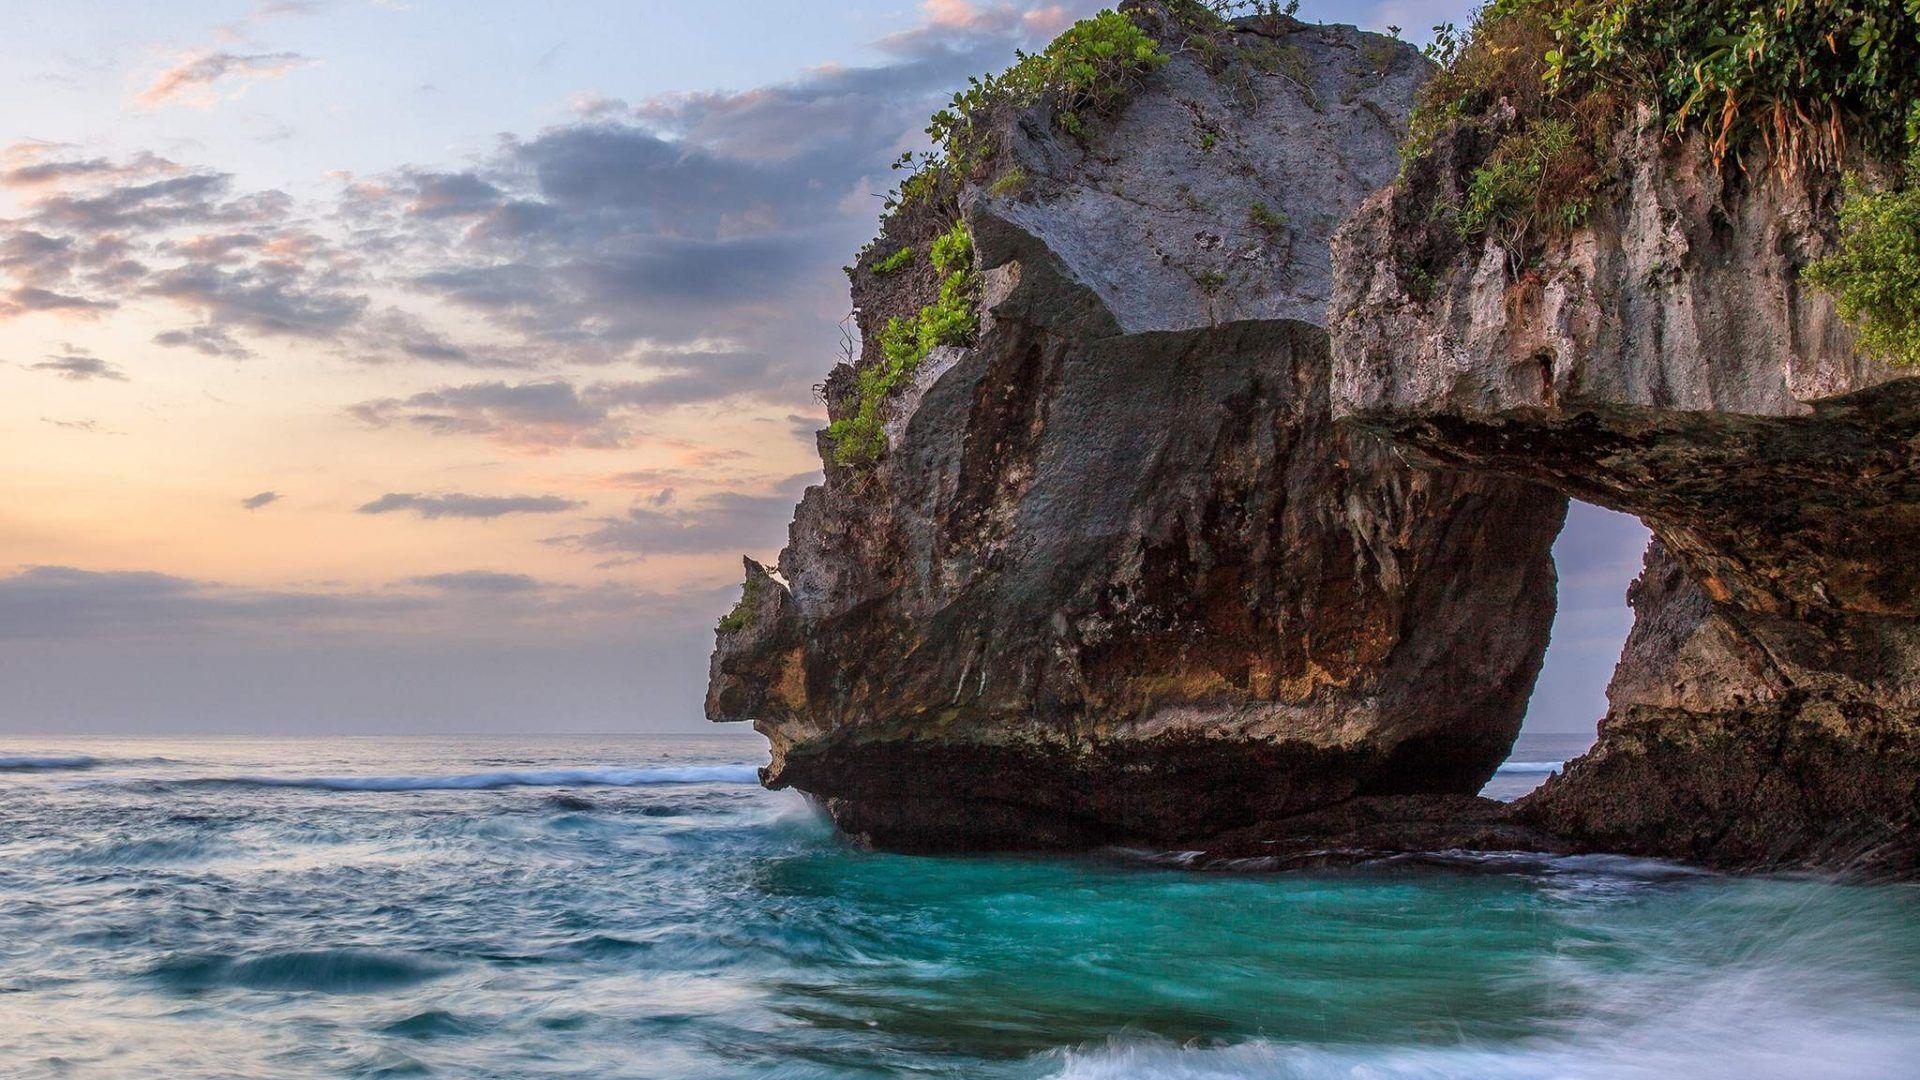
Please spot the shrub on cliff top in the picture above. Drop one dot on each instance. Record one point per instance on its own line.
(859, 438)
(736, 620)
(1803, 81)
(1091, 67)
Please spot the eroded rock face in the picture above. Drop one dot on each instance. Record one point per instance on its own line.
(1119, 577)
(1665, 361)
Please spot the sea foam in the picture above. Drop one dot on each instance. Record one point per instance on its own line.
(1529, 768)
(39, 762)
(587, 777)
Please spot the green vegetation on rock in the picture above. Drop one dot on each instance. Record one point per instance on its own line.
(951, 319)
(1806, 83)
(1875, 275)
(895, 262)
(1266, 219)
(1089, 69)
(736, 620)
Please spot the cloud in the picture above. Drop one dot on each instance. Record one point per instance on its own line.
(478, 581)
(621, 237)
(956, 24)
(207, 339)
(91, 426)
(28, 299)
(266, 298)
(193, 78)
(722, 523)
(69, 603)
(457, 505)
(63, 601)
(538, 415)
(255, 502)
(27, 165)
(78, 365)
(95, 232)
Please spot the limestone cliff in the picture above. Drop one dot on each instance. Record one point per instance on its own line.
(1117, 576)
(1666, 360)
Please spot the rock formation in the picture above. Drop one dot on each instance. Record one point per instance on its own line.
(1665, 360)
(1117, 576)
(1155, 558)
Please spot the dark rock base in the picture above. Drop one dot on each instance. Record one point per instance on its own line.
(1805, 785)
(1161, 792)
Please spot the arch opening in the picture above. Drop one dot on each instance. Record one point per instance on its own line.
(1598, 554)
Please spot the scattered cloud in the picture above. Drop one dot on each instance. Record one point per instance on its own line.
(69, 603)
(721, 523)
(196, 78)
(76, 364)
(481, 507)
(255, 502)
(62, 601)
(478, 581)
(206, 339)
(558, 413)
(92, 426)
(621, 237)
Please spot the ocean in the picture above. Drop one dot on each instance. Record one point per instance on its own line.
(639, 908)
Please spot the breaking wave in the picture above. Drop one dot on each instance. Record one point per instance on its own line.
(1529, 768)
(506, 778)
(45, 762)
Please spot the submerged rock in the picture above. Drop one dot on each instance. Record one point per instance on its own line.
(1666, 361)
(1118, 577)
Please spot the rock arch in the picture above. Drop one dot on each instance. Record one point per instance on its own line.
(1765, 710)
(1157, 559)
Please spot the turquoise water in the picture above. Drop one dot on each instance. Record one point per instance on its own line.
(638, 908)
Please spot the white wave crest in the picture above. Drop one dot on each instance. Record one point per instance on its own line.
(594, 777)
(1529, 768)
(1799, 1053)
(34, 762)
(1803, 995)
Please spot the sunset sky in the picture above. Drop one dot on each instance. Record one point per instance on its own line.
(388, 366)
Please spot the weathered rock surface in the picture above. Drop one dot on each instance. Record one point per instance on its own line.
(1665, 361)
(1119, 577)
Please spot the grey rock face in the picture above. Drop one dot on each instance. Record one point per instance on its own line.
(1665, 361)
(1683, 294)
(1212, 198)
(1119, 576)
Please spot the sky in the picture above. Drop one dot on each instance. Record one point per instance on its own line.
(388, 365)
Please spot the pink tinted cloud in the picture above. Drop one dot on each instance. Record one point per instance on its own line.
(193, 79)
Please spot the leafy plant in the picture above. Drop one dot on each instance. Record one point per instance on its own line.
(895, 262)
(1803, 79)
(1266, 219)
(859, 438)
(1538, 180)
(1804, 83)
(1092, 66)
(1009, 183)
(1874, 276)
(736, 620)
